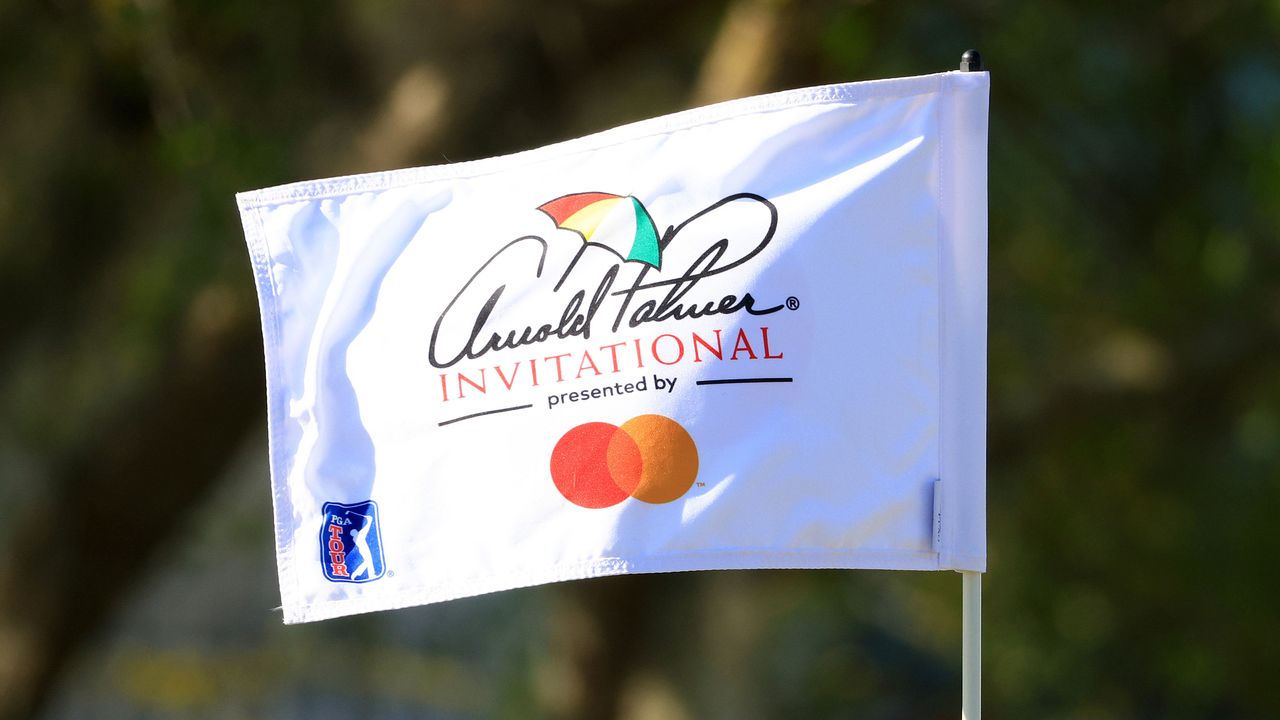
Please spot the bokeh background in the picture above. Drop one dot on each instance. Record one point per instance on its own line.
(1134, 361)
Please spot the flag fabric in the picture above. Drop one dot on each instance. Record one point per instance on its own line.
(750, 335)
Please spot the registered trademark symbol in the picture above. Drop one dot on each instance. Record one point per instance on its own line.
(793, 303)
(391, 573)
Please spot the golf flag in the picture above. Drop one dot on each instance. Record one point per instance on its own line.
(750, 335)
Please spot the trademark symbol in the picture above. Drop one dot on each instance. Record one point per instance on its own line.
(702, 484)
(793, 303)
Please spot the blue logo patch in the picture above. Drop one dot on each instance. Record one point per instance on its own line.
(351, 542)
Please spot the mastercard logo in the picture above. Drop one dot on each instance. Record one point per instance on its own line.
(649, 457)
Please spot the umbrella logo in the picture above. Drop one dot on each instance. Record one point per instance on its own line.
(618, 223)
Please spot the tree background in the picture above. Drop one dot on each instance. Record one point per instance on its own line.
(1134, 356)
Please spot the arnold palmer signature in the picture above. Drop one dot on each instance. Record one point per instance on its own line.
(580, 311)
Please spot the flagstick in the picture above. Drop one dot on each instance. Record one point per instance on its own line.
(971, 662)
(971, 644)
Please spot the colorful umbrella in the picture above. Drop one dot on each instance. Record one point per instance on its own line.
(619, 223)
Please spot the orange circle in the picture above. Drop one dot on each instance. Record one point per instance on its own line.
(665, 461)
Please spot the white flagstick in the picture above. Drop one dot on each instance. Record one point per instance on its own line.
(971, 662)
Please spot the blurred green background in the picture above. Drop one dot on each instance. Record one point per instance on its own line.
(1134, 361)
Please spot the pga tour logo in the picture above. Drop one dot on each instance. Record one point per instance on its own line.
(351, 542)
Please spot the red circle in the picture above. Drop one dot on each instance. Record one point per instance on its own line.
(579, 466)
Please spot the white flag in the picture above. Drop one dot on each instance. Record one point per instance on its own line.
(750, 335)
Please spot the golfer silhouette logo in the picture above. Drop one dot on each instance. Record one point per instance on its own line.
(351, 543)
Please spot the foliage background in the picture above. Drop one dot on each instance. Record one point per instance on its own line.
(1134, 341)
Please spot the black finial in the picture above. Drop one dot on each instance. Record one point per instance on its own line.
(971, 61)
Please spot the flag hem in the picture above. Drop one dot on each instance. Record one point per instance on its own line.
(282, 507)
(769, 559)
(962, 181)
(852, 92)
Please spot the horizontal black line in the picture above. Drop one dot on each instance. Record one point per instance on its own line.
(486, 412)
(735, 381)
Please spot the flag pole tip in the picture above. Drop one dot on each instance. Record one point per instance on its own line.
(971, 61)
